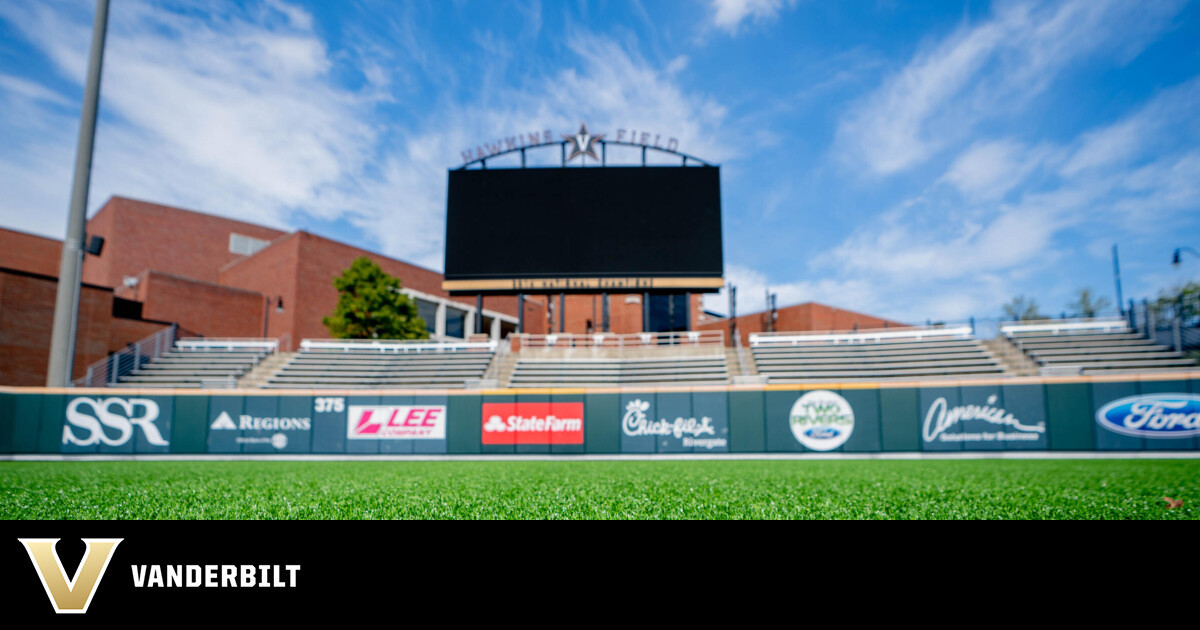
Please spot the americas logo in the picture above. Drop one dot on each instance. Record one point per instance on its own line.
(1153, 416)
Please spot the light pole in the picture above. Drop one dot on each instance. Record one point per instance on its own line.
(1177, 259)
(66, 305)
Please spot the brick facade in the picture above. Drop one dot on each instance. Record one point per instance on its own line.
(810, 316)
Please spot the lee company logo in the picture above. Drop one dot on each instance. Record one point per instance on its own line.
(1153, 416)
(532, 423)
(822, 420)
(396, 422)
(70, 596)
(111, 421)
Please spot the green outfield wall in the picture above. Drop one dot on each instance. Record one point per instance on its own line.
(1149, 413)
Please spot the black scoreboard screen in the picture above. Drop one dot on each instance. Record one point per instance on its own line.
(584, 229)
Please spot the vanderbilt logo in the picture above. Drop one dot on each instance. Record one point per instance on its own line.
(74, 595)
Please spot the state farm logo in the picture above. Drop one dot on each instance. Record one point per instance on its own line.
(111, 421)
(533, 423)
(396, 422)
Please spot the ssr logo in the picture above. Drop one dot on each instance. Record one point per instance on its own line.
(74, 595)
(111, 421)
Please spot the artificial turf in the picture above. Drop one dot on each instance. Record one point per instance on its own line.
(870, 489)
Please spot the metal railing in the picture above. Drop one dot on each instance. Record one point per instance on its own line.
(619, 341)
(118, 364)
(861, 336)
(1060, 326)
(398, 346)
(211, 344)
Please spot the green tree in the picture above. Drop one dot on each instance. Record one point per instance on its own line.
(371, 306)
(1181, 301)
(1022, 308)
(1087, 305)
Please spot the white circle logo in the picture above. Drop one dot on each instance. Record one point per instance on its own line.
(822, 420)
(279, 441)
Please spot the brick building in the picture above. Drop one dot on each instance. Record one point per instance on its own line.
(218, 277)
(809, 316)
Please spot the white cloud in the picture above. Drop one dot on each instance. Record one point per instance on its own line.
(240, 113)
(935, 256)
(728, 15)
(987, 70)
(988, 170)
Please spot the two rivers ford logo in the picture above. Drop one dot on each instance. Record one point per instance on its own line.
(1153, 416)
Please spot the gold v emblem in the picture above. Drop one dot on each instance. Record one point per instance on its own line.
(74, 595)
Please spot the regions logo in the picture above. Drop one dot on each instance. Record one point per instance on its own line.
(278, 441)
(1153, 416)
(396, 422)
(532, 423)
(822, 420)
(689, 431)
(111, 421)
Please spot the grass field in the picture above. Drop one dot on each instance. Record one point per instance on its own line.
(939, 489)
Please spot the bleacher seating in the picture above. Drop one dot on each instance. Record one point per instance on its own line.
(687, 358)
(352, 364)
(616, 372)
(908, 353)
(1106, 346)
(200, 363)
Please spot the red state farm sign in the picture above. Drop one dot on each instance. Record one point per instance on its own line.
(533, 423)
(396, 422)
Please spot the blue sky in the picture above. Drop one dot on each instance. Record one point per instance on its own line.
(912, 160)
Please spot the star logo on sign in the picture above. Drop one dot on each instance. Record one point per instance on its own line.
(583, 143)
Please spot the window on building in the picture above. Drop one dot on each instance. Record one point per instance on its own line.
(245, 245)
(428, 311)
(668, 313)
(456, 323)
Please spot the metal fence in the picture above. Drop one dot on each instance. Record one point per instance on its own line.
(134, 356)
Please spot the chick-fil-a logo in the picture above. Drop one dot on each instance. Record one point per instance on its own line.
(1153, 416)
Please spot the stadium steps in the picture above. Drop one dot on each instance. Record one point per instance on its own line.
(1010, 356)
(262, 373)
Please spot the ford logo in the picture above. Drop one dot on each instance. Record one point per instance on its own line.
(1153, 416)
(822, 433)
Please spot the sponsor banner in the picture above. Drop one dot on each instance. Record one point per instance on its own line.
(1155, 416)
(821, 420)
(532, 423)
(116, 424)
(984, 424)
(681, 433)
(259, 424)
(396, 422)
